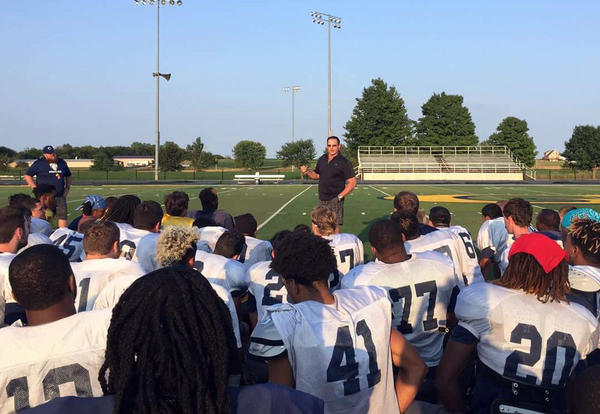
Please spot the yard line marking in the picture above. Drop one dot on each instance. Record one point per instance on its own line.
(282, 207)
(381, 191)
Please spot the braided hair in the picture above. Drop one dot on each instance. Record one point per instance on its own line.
(123, 210)
(585, 234)
(170, 346)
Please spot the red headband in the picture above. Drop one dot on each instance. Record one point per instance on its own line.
(545, 250)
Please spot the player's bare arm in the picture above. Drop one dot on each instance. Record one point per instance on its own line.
(309, 173)
(350, 185)
(67, 186)
(29, 181)
(454, 361)
(412, 369)
(280, 371)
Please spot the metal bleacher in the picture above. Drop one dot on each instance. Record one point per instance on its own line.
(441, 163)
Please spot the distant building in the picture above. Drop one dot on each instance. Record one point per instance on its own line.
(553, 155)
(72, 163)
(134, 160)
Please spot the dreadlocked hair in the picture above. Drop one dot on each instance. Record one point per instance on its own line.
(585, 234)
(123, 210)
(170, 346)
(525, 273)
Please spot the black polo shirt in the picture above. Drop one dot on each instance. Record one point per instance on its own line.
(50, 173)
(333, 175)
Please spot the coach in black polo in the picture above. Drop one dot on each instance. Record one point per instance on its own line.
(336, 177)
(54, 171)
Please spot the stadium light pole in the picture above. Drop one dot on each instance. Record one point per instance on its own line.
(336, 22)
(157, 74)
(294, 89)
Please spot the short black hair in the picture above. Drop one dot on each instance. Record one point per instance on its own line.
(147, 215)
(39, 276)
(409, 224)
(440, 216)
(176, 203)
(491, 210)
(278, 238)
(303, 228)
(230, 243)
(386, 236)
(246, 224)
(305, 258)
(203, 221)
(42, 189)
(548, 219)
(11, 219)
(334, 137)
(520, 210)
(209, 199)
(406, 201)
(22, 201)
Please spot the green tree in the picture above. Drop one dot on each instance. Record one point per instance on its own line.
(30, 153)
(379, 118)
(582, 150)
(103, 161)
(198, 157)
(249, 154)
(513, 133)
(170, 156)
(445, 121)
(142, 148)
(297, 153)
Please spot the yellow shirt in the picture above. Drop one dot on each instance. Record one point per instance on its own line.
(168, 220)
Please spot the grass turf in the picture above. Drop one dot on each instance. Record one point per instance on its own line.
(364, 206)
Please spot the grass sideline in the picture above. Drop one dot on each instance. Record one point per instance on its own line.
(274, 209)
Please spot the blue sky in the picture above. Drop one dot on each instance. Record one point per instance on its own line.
(80, 71)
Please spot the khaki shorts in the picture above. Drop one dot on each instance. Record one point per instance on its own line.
(61, 208)
(336, 205)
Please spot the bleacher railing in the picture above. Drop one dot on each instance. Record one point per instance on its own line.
(404, 156)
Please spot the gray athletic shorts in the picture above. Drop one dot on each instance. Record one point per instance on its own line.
(61, 208)
(336, 205)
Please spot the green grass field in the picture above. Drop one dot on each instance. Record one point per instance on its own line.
(278, 207)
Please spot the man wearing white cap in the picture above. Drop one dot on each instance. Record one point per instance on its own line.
(54, 171)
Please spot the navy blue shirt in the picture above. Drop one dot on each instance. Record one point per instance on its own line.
(50, 173)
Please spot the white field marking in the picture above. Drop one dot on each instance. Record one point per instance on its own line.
(282, 207)
(381, 191)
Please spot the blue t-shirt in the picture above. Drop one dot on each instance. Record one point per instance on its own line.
(50, 173)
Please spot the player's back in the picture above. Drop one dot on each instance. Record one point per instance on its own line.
(421, 290)
(39, 225)
(92, 276)
(5, 259)
(467, 256)
(129, 237)
(145, 252)
(340, 352)
(211, 235)
(255, 251)
(492, 236)
(441, 242)
(228, 300)
(523, 339)
(60, 358)
(348, 250)
(266, 285)
(220, 270)
(70, 242)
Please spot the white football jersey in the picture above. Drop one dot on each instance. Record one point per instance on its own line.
(467, 256)
(348, 250)
(340, 352)
(110, 295)
(228, 273)
(33, 239)
(266, 285)
(211, 235)
(145, 252)
(255, 251)
(39, 225)
(441, 242)
(491, 239)
(5, 259)
(421, 290)
(523, 339)
(70, 242)
(92, 276)
(57, 359)
(226, 297)
(129, 238)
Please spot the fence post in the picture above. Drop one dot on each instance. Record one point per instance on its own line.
(136, 174)
(221, 175)
(107, 174)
